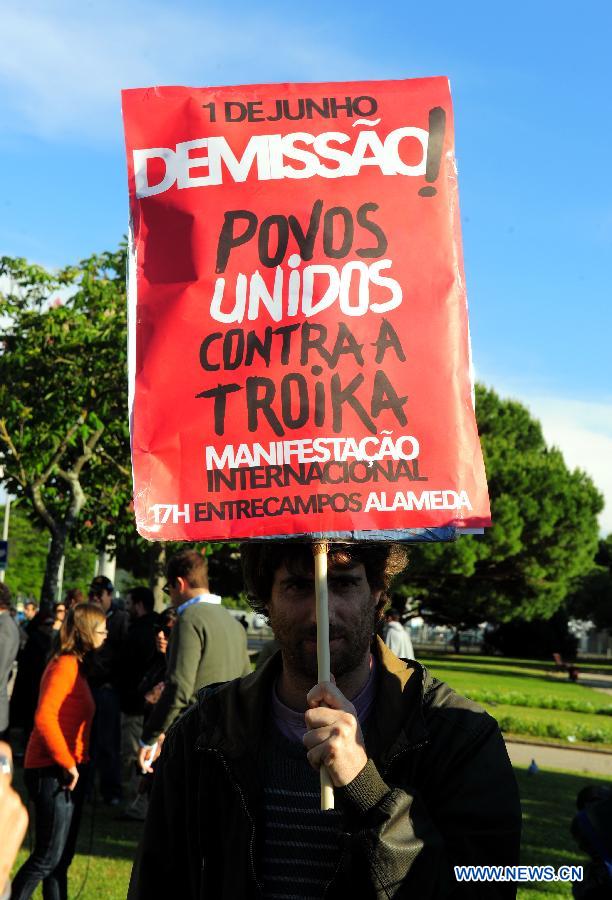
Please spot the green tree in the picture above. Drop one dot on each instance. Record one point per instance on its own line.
(64, 441)
(591, 598)
(28, 549)
(146, 560)
(544, 532)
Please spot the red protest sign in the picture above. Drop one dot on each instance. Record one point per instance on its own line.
(298, 318)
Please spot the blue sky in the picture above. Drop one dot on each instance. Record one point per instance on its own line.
(533, 120)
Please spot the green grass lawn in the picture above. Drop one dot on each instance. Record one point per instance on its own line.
(101, 868)
(548, 800)
(548, 806)
(530, 701)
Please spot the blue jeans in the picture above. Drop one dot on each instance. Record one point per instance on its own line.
(58, 815)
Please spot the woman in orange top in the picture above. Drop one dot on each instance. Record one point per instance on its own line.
(57, 754)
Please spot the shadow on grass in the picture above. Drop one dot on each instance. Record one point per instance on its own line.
(588, 670)
(484, 669)
(490, 661)
(549, 805)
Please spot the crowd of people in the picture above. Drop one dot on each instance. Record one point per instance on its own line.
(222, 763)
(93, 680)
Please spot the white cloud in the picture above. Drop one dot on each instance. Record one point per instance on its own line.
(63, 65)
(582, 430)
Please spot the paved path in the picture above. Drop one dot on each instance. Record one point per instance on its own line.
(598, 681)
(570, 759)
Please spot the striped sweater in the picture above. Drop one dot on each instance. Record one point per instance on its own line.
(299, 844)
(63, 717)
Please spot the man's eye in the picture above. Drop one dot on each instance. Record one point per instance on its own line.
(343, 584)
(299, 585)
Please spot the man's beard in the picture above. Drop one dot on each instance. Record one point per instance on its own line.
(345, 657)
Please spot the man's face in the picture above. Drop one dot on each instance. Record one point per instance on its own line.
(174, 591)
(102, 597)
(29, 611)
(292, 614)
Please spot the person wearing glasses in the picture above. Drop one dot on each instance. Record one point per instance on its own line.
(207, 645)
(59, 614)
(104, 680)
(57, 754)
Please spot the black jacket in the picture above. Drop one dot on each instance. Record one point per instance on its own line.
(105, 665)
(138, 654)
(438, 790)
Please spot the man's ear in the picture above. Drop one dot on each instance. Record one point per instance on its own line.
(181, 584)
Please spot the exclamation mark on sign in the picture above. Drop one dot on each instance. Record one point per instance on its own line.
(437, 125)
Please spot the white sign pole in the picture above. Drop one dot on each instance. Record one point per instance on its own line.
(319, 550)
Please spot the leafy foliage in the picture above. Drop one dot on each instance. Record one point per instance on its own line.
(592, 596)
(543, 537)
(64, 442)
(516, 724)
(514, 698)
(28, 548)
(535, 638)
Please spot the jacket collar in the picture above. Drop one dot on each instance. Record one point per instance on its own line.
(397, 722)
(232, 716)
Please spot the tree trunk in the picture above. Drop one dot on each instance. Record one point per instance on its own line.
(48, 593)
(157, 574)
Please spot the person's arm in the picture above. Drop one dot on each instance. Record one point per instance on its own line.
(187, 645)
(56, 685)
(9, 645)
(13, 821)
(399, 846)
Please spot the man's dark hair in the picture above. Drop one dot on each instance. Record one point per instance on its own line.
(30, 603)
(260, 562)
(190, 565)
(143, 595)
(101, 583)
(5, 596)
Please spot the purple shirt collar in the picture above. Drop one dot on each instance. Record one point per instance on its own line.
(291, 723)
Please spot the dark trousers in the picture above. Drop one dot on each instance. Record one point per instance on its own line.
(58, 815)
(105, 743)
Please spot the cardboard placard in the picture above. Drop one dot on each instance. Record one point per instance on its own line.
(299, 350)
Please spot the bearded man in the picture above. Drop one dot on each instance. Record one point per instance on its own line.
(422, 780)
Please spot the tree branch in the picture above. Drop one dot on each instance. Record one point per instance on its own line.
(77, 501)
(5, 436)
(124, 470)
(72, 476)
(40, 508)
(61, 449)
(90, 446)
